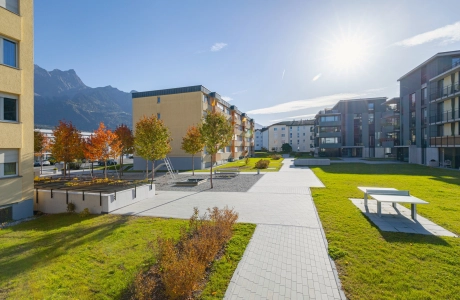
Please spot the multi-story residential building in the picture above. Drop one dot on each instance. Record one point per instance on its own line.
(180, 108)
(430, 119)
(16, 109)
(391, 129)
(299, 134)
(264, 132)
(258, 136)
(349, 129)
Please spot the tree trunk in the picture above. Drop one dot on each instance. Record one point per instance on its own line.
(147, 169)
(153, 169)
(211, 173)
(121, 164)
(105, 168)
(41, 165)
(193, 166)
(65, 169)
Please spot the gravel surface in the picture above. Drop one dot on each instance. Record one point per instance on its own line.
(239, 183)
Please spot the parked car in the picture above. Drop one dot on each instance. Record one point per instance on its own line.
(131, 156)
(36, 164)
(46, 163)
(110, 162)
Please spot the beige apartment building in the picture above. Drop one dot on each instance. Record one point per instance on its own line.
(299, 134)
(180, 108)
(16, 109)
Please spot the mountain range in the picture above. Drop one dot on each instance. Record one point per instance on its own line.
(62, 95)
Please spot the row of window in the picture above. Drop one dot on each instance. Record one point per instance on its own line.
(290, 128)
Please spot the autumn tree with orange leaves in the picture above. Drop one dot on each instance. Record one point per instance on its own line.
(125, 136)
(192, 143)
(66, 145)
(103, 145)
(41, 145)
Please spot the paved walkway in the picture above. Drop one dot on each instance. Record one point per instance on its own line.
(287, 256)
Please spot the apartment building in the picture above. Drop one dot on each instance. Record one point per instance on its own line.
(430, 119)
(258, 137)
(352, 128)
(16, 109)
(299, 134)
(182, 107)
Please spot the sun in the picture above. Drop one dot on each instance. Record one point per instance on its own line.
(348, 54)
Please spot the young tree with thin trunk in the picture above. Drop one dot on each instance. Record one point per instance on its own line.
(40, 146)
(217, 133)
(192, 143)
(103, 145)
(152, 140)
(125, 136)
(67, 143)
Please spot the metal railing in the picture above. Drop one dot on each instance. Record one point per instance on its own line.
(442, 141)
(446, 91)
(446, 116)
(446, 68)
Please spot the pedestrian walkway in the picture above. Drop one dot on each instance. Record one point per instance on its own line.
(287, 256)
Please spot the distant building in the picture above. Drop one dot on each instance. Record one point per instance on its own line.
(299, 134)
(352, 128)
(16, 109)
(258, 137)
(264, 133)
(48, 133)
(180, 108)
(430, 114)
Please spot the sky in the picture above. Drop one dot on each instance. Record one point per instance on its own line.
(275, 60)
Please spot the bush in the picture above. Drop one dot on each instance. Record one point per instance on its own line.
(262, 164)
(182, 265)
(85, 213)
(74, 166)
(276, 156)
(70, 207)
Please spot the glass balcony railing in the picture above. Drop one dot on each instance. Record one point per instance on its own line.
(447, 116)
(446, 91)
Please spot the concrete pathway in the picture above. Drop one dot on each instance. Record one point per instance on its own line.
(287, 256)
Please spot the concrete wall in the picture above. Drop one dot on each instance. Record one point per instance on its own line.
(19, 83)
(93, 201)
(179, 163)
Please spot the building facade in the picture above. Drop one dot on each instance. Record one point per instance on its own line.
(258, 138)
(16, 109)
(181, 108)
(430, 118)
(352, 128)
(299, 134)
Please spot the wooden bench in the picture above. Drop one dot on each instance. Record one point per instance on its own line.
(392, 196)
(227, 172)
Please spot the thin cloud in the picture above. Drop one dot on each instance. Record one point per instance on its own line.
(309, 116)
(218, 46)
(304, 104)
(316, 77)
(282, 76)
(226, 98)
(447, 34)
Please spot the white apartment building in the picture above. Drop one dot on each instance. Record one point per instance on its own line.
(261, 138)
(299, 134)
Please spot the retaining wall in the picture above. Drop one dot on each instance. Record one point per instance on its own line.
(312, 162)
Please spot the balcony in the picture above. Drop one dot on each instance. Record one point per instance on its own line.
(329, 134)
(446, 92)
(447, 116)
(445, 141)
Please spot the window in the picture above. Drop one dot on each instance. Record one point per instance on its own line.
(412, 100)
(158, 116)
(298, 128)
(330, 119)
(283, 135)
(424, 96)
(205, 98)
(158, 99)
(9, 52)
(304, 134)
(370, 106)
(8, 109)
(11, 5)
(8, 162)
(283, 128)
(330, 140)
(275, 129)
(371, 118)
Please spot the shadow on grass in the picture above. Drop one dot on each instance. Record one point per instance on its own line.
(43, 250)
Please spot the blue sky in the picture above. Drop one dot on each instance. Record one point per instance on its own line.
(277, 60)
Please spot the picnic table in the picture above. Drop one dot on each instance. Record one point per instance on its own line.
(392, 196)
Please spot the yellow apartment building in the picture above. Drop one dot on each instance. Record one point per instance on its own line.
(182, 107)
(16, 109)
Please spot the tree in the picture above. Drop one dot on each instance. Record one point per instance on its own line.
(67, 143)
(217, 133)
(286, 147)
(125, 136)
(103, 145)
(152, 140)
(40, 146)
(192, 143)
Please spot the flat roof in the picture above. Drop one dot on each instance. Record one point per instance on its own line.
(179, 90)
(439, 54)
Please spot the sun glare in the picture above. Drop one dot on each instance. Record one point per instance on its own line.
(349, 54)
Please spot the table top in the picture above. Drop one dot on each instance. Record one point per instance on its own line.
(398, 199)
(365, 188)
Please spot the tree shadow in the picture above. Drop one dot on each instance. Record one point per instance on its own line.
(23, 256)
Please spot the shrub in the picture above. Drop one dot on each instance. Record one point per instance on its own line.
(275, 156)
(336, 253)
(144, 286)
(74, 166)
(85, 213)
(262, 164)
(70, 207)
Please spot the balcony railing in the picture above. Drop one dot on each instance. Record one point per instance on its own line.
(444, 141)
(446, 116)
(448, 67)
(445, 92)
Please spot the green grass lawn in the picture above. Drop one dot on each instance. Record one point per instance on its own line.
(250, 167)
(68, 257)
(385, 265)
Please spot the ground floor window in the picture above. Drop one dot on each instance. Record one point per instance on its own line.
(8, 162)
